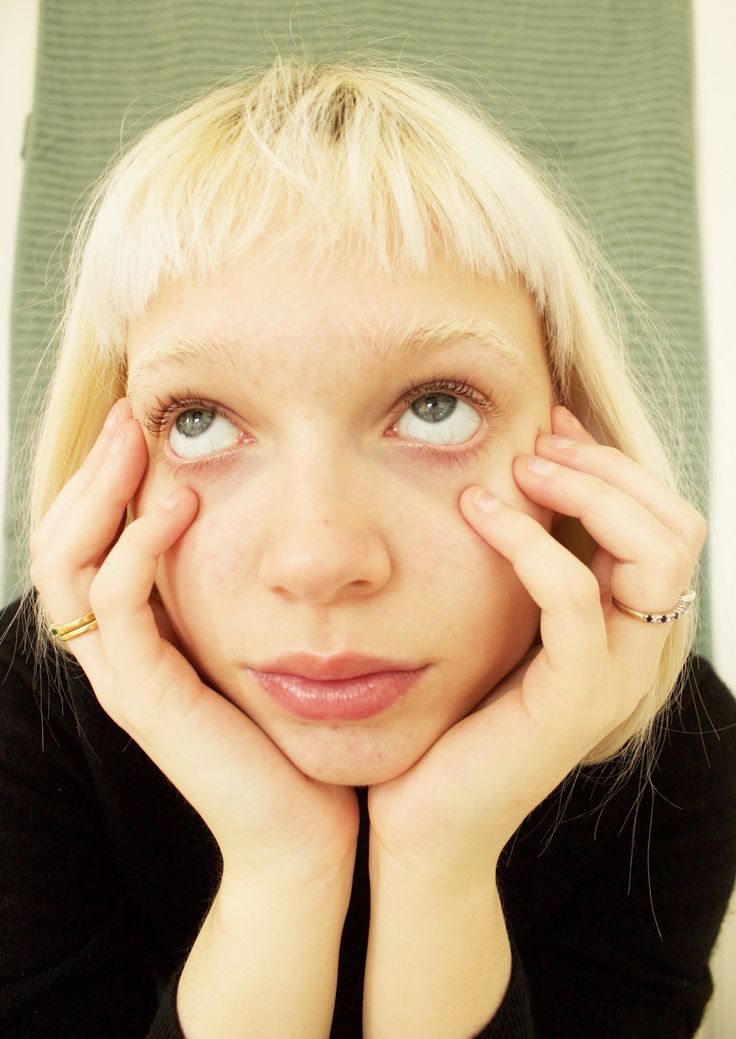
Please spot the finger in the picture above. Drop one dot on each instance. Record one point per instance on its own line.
(652, 562)
(196, 736)
(574, 627)
(572, 624)
(83, 477)
(190, 731)
(88, 525)
(565, 424)
(615, 468)
(120, 596)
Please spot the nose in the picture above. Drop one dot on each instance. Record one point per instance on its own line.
(326, 538)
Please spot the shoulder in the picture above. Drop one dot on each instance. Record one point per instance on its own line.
(684, 781)
(17, 636)
(25, 662)
(41, 690)
(695, 755)
(27, 657)
(701, 687)
(700, 721)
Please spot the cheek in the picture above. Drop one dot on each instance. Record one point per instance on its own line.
(440, 567)
(208, 558)
(487, 610)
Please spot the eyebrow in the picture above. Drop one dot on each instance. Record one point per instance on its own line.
(390, 343)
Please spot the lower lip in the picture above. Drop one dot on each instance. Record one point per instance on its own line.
(351, 699)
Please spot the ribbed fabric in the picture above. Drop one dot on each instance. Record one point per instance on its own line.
(599, 94)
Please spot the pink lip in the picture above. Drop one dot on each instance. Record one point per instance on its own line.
(335, 668)
(349, 699)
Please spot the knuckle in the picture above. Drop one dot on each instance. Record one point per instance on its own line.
(102, 595)
(35, 571)
(35, 542)
(583, 591)
(42, 571)
(612, 455)
(678, 560)
(698, 528)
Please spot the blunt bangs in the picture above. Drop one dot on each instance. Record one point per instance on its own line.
(316, 160)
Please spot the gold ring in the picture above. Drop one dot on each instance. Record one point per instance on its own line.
(65, 632)
(681, 607)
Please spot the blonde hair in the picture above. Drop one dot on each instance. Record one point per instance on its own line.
(316, 156)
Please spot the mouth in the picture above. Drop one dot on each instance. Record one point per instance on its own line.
(339, 699)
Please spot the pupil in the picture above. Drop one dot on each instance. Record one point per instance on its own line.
(434, 407)
(192, 423)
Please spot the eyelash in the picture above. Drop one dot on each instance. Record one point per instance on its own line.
(159, 417)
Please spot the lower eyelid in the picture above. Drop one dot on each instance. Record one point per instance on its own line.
(160, 425)
(458, 456)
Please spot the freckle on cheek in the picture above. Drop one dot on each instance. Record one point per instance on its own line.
(213, 552)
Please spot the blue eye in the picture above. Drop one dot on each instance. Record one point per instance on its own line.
(439, 418)
(200, 432)
(443, 411)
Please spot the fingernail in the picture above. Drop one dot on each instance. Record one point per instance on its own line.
(113, 419)
(563, 442)
(171, 500)
(118, 440)
(541, 466)
(485, 502)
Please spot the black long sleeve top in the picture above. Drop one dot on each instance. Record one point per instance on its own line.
(613, 892)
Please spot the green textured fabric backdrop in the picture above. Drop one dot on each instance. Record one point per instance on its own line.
(599, 93)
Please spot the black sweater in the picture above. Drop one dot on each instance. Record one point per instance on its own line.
(613, 896)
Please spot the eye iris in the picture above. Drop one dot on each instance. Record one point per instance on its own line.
(193, 423)
(434, 407)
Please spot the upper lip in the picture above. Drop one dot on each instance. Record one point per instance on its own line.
(331, 669)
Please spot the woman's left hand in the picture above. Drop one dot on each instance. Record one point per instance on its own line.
(449, 816)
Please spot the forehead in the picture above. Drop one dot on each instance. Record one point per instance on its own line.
(261, 311)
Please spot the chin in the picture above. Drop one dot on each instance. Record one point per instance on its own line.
(350, 773)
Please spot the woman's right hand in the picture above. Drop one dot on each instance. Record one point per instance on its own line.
(269, 819)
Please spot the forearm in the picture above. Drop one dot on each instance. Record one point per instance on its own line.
(264, 964)
(439, 960)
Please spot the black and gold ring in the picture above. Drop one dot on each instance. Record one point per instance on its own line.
(681, 607)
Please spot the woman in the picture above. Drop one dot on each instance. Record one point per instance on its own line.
(311, 317)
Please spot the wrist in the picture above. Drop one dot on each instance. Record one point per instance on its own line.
(239, 888)
(287, 870)
(437, 875)
(439, 895)
(439, 959)
(265, 935)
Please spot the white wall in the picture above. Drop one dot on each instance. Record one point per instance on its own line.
(715, 43)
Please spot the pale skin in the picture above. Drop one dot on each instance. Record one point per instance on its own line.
(325, 527)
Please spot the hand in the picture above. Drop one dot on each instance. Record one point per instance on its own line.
(265, 814)
(452, 813)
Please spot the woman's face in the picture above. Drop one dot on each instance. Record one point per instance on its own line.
(329, 519)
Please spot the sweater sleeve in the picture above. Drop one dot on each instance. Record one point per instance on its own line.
(513, 1019)
(73, 959)
(628, 957)
(166, 1024)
